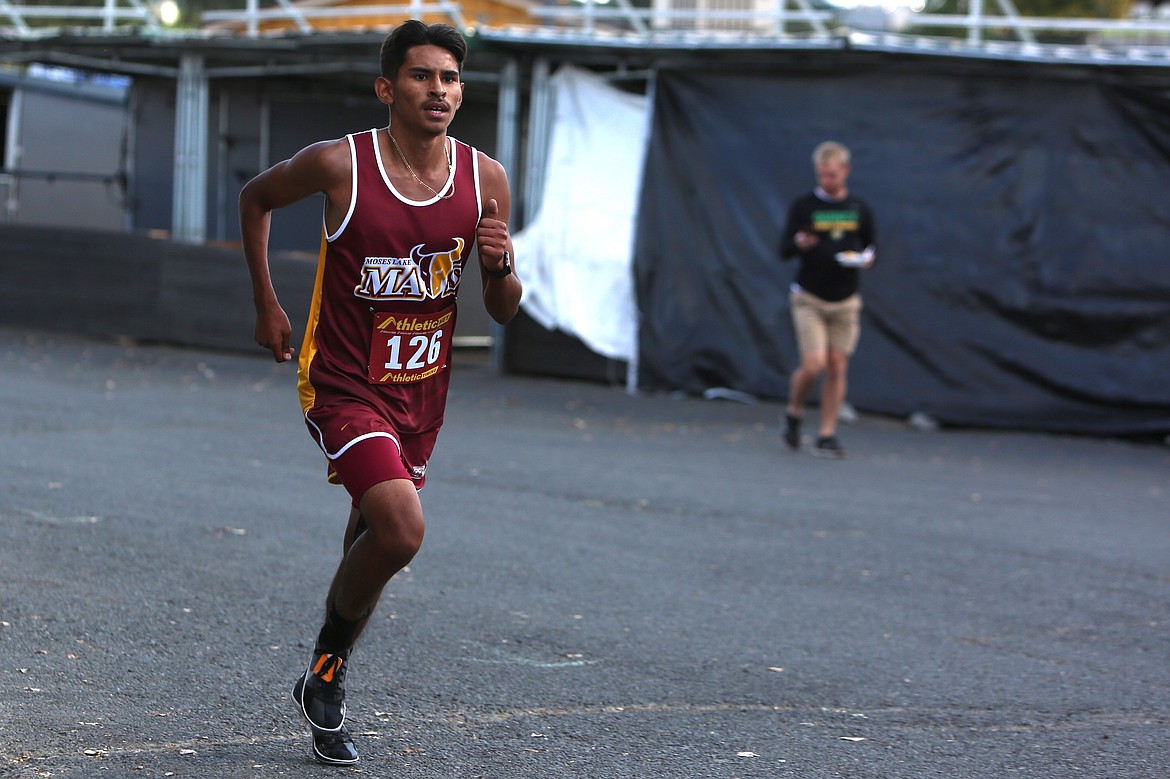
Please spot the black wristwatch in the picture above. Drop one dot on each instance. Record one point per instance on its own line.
(502, 272)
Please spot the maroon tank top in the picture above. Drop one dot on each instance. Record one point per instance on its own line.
(383, 308)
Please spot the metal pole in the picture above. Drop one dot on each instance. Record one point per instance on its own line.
(1010, 11)
(265, 145)
(129, 161)
(221, 166)
(189, 206)
(538, 131)
(12, 155)
(507, 130)
(508, 118)
(633, 366)
(974, 30)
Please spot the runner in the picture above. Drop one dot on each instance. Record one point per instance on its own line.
(404, 204)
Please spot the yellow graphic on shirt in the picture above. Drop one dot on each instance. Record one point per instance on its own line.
(836, 223)
(305, 388)
(421, 276)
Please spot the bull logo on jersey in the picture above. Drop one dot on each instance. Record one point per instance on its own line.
(421, 276)
(440, 270)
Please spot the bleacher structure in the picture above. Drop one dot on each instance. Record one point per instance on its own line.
(126, 142)
(514, 39)
(1143, 34)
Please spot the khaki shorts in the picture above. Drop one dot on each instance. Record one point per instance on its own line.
(822, 326)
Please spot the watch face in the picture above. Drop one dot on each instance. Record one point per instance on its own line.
(503, 271)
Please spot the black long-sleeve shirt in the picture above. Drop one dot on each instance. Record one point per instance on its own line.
(843, 225)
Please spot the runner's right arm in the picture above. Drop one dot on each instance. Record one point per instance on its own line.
(322, 167)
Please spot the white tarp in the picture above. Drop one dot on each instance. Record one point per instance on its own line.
(576, 258)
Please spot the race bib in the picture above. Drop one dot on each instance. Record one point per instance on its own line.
(410, 347)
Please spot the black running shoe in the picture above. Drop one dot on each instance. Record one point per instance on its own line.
(791, 433)
(334, 747)
(829, 446)
(320, 693)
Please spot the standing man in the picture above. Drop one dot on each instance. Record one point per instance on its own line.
(832, 232)
(403, 206)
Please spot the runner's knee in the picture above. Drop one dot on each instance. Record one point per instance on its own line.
(394, 518)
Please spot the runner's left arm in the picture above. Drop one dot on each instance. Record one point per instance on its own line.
(501, 296)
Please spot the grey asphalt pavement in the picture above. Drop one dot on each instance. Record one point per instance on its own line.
(611, 586)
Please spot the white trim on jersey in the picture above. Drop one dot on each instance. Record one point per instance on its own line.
(389, 185)
(475, 174)
(352, 195)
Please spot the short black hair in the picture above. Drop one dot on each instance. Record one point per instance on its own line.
(413, 33)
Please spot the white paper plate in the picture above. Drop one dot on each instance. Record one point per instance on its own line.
(852, 259)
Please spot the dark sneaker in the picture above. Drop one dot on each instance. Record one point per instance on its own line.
(791, 432)
(320, 693)
(828, 446)
(334, 747)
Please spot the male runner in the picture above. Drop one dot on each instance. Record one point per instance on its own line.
(403, 206)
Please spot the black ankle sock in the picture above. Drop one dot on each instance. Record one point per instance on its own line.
(338, 634)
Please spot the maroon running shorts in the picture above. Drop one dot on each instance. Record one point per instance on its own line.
(363, 447)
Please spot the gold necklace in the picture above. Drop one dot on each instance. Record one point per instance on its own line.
(414, 175)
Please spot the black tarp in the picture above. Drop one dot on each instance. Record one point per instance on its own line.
(1023, 222)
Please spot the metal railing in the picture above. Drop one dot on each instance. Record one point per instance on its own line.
(665, 22)
(252, 16)
(28, 19)
(784, 18)
(665, 19)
